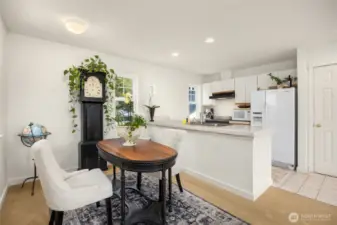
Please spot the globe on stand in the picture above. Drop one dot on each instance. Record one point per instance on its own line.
(31, 134)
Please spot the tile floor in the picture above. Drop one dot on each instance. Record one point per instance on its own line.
(311, 185)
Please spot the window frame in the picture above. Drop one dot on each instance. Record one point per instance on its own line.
(195, 102)
(134, 79)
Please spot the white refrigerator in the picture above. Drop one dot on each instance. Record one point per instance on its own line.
(276, 110)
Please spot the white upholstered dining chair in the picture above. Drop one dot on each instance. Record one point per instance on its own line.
(68, 191)
(172, 138)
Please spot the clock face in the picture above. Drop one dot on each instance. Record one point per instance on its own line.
(93, 88)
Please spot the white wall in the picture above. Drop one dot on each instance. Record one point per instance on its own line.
(224, 107)
(307, 59)
(3, 175)
(37, 92)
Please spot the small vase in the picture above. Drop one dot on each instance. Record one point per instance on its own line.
(130, 140)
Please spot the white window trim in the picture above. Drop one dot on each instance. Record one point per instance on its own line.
(197, 101)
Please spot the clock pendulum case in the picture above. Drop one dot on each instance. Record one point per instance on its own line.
(92, 98)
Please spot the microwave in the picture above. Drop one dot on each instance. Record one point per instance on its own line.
(241, 114)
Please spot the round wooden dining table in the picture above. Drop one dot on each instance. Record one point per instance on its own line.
(145, 157)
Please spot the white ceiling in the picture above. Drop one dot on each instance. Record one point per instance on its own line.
(247, 32)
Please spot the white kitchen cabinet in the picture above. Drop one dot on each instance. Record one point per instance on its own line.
(240, 90)
(216, 86)
(223, 85)
(264, 82)
(206, 92)
(251, 85)
(227, 85)
(243, 88)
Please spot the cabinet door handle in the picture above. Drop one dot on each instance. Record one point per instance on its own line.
(317, 125)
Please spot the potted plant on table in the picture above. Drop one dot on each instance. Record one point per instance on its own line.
(128, 123)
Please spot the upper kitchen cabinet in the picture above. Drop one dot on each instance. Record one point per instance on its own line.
(240, 90)
(227, 85)
(251, 85)
(243, 88)
(223, 85)
(264, 82)
(216, 87)
(206, 92)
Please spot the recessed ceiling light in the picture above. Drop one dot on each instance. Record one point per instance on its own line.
(175, 54)
(76, 26)
(209, 40)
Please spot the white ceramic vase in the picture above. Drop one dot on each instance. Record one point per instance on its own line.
(130, 140)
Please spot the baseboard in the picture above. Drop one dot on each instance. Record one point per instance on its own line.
(303, 169)
(223, 185)
(3, 196)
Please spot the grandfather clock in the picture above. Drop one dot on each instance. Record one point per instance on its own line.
(92, 98)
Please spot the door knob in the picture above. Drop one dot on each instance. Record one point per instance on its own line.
(317, 125)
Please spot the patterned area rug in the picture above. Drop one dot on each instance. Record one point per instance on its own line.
(186, 207)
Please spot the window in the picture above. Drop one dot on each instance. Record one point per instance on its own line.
(192, 104)
(123, 85)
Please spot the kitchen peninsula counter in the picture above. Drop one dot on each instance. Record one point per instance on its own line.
(237, 130)
(235, 157)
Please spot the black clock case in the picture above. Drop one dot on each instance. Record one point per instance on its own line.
(91, 125)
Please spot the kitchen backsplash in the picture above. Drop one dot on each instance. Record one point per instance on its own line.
(224, 107)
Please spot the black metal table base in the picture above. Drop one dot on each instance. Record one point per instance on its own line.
(154, 213)
(31, 178)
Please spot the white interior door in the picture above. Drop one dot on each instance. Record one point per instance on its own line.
(325, 120)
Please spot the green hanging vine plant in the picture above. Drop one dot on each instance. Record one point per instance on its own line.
(92, 64)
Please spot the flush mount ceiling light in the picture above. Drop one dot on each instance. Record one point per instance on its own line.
(175, 54)
(76, 26)
(209, 40)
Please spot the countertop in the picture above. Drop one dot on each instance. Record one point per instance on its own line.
(237, 130)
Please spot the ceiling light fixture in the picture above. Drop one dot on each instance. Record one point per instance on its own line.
(209, 40)
(76, 26)
(175, 54)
